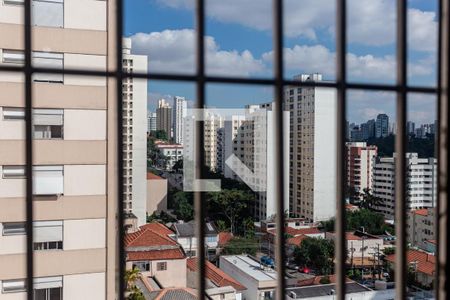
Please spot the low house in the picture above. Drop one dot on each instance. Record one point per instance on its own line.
(294, 237)
(361, 247)
(219, 285)
(260, 282)
(421, 263)
(224, 238)
(421, 227)
(156, 194)
(156, 255)
(185, 235)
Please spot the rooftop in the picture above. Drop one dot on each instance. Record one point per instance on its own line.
(151, 176)
(188, 229)
(250, 267)
(215, 275)
(295, 232)
(172, 294)
(224, 237)
(426, 263)
(324, 290)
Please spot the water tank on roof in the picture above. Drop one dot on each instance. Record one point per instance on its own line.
(380, 285)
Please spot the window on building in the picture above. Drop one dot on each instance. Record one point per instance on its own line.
(142, 265)
(48, 235)
(13, 57)
(48, 60)
(9, 172)
(48, 180)
(161, 266)
(13, 113)
(14, 228)
(48, 288)
(13, 286)
(48, 123)
(13, 2)
(49, 13)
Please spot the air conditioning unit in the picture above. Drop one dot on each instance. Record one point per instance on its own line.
(293, 295)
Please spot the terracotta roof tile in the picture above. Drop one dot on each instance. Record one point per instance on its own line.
(153, 234)
(216, 275)
(152, 176)
(421, 212)
(425, 262)
(297, 240)
(166, 254)
(295, 232)
(224, 237)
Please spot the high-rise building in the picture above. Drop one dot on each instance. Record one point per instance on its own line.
(75, 152)
(254, 148)
(420, 183)
(151, 121)
(382, 126)
(135, 134)
(368, 130)
(410, 127)
(164, 118)
(212, 123)
(179, 113)
(312, 169)
(231, 131)
(220, 150)
(360, 160)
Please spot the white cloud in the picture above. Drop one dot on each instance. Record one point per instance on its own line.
(174, 51)
(311, 59)
(370, 22)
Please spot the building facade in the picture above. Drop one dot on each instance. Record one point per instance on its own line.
(179, 113)
(382, 126)
(135, 134)
(421, 227)
(360, 161)
(75, 158)
(151, 121)
(312, 153)
(164, 118)
(420, 182)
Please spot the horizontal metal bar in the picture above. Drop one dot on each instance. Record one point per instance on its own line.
(232, 80)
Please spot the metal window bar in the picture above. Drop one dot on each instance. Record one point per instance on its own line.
(341, 85)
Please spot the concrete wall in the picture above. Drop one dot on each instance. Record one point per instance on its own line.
(174, 276)
(84, 124)
(156, 195)
(84, 234)
(88, 286)
(84, 180)
(325, 154)
(85, 14)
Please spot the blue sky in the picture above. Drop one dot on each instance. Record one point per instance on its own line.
(239, 43)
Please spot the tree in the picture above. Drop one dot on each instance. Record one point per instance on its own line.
(178, 165)
(369, 201)
(315, 253)
(183, 205)
(134, 293)
(230, 204)
(240, 245)
(160, 135)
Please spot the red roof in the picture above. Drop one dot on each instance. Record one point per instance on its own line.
(316, 280)
(425, 262)
(295, 232)
(432, 242)
(156, 236)
(152, 176)
(216, 275)
(224, 238)
(165, 254)
(421, 212)
(297, 240)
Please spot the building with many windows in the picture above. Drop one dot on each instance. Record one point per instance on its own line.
(151, 121)
(360, 160)
(382, 126)
(312, 150)
(420, 182)
(179, 114)
(164, 118)
(74, 161)
(134, 134)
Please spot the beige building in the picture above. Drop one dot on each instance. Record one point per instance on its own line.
(156, 194)
(360, 161)
(212, 124)
(421, 228)
(164, 117)
(312, 150)
(75, 190)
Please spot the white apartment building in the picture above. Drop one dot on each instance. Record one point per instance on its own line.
(135, 134)
(151, 121)
(75, 225)
(230, 142)
(212, 123)
(421, 183)
(172, 152)
(179, 113)
(421, 228)
(312, 155)
(164, 117)
(255, 148)
(360, 160)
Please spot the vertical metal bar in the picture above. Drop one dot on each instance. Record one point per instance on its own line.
(279, 146)
(29, 147)
(341, 80)
(437, 146)
(120, 171)
(443, 161)
(400, 148)
(200, 151)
